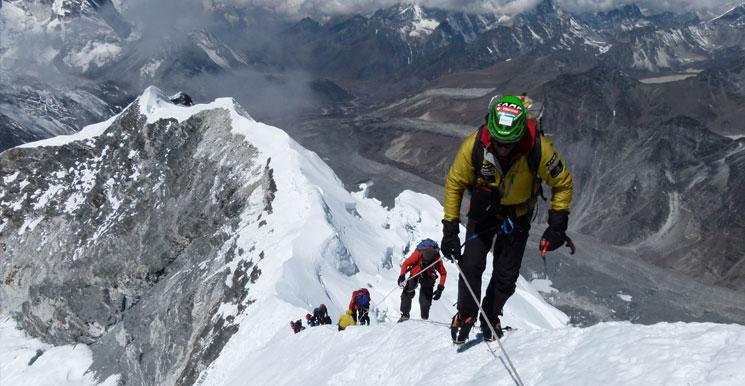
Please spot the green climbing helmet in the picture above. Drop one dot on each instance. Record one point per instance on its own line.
(507, 119)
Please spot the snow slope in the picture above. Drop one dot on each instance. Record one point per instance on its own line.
(28, 361)
(419, 353)
(318, 242)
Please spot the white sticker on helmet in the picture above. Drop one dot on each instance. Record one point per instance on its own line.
(506, 120)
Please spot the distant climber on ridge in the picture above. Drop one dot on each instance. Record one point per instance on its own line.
(321, 315)
(310, 320)
(501, 164)
(297, 326)
(360, 306)
(426, 255)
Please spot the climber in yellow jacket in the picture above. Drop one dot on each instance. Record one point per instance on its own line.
(502, 165)
(346, 320)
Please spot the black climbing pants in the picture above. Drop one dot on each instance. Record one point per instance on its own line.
(508, 255)
(361, 315)
(425, 294)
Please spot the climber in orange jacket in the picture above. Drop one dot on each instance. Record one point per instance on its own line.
(425, 256)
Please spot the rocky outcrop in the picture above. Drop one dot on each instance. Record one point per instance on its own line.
(104, 238)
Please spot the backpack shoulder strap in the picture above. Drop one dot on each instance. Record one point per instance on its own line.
(477, 154)
(534, 160)
(534, 157)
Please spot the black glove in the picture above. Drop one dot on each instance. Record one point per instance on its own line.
(401, 280)
(555, 235)
(438, 292)
(450, 245)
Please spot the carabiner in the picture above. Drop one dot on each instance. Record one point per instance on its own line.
(507, 226)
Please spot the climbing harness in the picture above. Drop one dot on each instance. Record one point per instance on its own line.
(507, 226)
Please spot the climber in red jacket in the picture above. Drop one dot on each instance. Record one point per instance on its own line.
(425, 256)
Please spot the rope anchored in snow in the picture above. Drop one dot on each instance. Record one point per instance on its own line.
(511, 368)
(469, 239)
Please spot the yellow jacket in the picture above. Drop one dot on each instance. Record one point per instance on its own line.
(346, 320)
(514, 187)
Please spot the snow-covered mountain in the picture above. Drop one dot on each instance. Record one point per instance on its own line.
(408, 41)
(172, 244)
(80, 36)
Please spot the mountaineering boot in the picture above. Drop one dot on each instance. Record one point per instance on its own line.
(403, 318)
(465, 329)
(486, 331)
(454, 325)
(460, 327)
(425, 315)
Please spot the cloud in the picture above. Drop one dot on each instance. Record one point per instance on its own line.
(653, 5)
(268, 86)
(266, 96)
(299, 8)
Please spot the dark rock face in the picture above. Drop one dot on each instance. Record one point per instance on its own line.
(182, 99)
(666, 186)
(12, 133)
(31, 110)
(109, 13)
(735, 16)
(103, 240)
